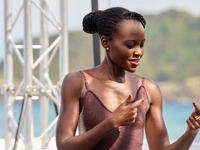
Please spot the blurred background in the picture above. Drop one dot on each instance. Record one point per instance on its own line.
(172, 51)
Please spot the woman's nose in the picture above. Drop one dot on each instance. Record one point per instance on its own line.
(138, 52)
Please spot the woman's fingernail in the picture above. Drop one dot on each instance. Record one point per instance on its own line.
(129, 96)
(142, 100)
(194, 103)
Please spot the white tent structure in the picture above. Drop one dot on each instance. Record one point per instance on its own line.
(30, 85)
(45, 89)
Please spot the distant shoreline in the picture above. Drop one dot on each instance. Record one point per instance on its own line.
(186, 90)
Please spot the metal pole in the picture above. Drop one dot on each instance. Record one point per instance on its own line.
(8, 74)
(55, 93)
(96, 42)
(64, 50)
(28, 61)
(44, 103)
(109, 3)
(21, 118)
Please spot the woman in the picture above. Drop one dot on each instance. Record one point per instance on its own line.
(112, 104)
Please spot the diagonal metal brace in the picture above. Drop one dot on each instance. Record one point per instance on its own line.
(23, 109)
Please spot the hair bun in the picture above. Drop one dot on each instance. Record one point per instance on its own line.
(90, 22)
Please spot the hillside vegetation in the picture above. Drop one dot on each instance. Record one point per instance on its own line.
(172, 50)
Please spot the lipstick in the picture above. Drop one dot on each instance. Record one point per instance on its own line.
(135, 62)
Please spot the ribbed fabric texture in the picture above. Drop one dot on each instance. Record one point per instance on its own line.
(122, 138)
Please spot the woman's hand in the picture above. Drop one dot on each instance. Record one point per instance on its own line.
(194, 120)
(125, 113)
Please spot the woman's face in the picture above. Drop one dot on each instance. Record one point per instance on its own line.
(127, 45)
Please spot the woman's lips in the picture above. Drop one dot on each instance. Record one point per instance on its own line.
(135, 62)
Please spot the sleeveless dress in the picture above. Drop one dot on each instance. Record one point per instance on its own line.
(128, 137)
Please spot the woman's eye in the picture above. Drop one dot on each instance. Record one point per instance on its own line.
(141, 45)
(130, 46)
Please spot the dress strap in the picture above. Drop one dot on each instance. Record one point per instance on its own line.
(142, 81)
(86, 83)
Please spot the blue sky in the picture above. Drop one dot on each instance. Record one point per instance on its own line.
(78, 8)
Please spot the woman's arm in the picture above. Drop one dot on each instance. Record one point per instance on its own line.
(156, 131)
(72, 88)
(185, 141)
(155, 128)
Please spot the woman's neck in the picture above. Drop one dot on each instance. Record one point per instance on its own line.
(112, 72)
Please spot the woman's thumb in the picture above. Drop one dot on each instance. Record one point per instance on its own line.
(128, 100)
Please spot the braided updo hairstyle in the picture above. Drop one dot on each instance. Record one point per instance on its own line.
(105, 22)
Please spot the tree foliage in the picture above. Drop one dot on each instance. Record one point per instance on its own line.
(172, 49)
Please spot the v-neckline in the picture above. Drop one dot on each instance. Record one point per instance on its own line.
(94, 94)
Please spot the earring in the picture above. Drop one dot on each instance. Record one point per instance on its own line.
(107, 49)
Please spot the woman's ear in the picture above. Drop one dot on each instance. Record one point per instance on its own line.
(105, 42)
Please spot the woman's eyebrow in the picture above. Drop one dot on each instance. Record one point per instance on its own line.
(134, 40)
(143, 40)
(131, 40)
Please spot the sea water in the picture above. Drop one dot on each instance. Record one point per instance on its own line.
(175, 115)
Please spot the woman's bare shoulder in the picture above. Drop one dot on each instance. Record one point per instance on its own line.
(150, 84)
(73, 77)
(73, 82)
(153, 90)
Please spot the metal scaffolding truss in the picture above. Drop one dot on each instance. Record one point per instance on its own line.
(30, 84)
